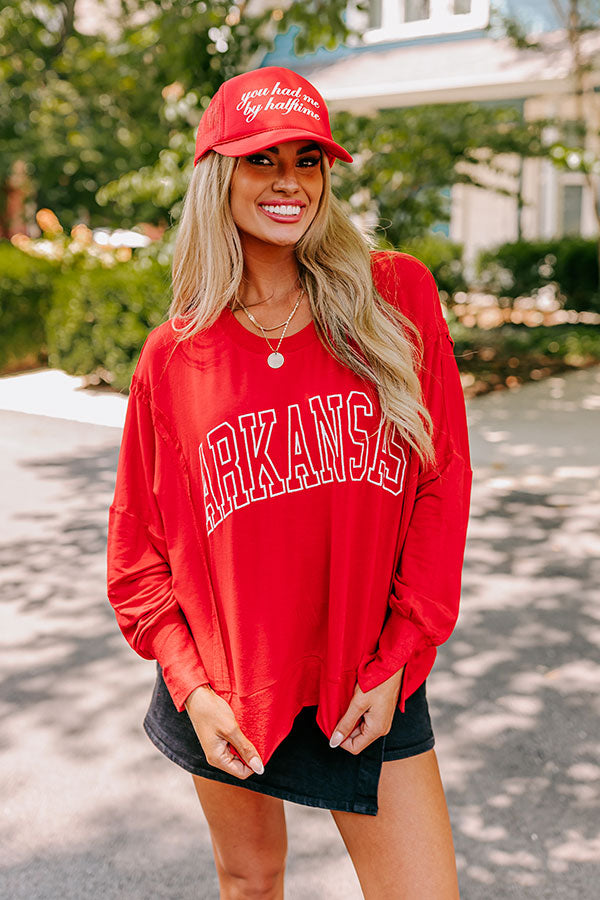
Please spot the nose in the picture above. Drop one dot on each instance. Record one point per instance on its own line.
(285, 177)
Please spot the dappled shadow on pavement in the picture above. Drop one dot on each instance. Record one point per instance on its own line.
(90, 807)
(164, 859)
(515, 691)
(513, 695)
(60, 630)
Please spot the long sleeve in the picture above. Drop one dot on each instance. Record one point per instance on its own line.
(424, 600)
(139, 577)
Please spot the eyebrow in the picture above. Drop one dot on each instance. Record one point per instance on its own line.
(305, 149)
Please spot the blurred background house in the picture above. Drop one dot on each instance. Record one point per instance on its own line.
(420, 52)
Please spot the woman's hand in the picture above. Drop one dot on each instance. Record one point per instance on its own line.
(216, 727)
(377, 708)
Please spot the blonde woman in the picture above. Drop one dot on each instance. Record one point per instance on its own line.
(287, 532)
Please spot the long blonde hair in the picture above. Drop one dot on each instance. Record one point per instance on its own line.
(359, 327)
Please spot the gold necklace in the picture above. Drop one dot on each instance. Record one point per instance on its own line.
(275, 359)
(273, 327)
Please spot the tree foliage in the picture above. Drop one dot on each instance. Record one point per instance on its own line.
(106, 122)
(83, 110)
(569, 140)
(408, 158)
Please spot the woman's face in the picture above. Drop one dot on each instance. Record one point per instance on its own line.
(275, 193)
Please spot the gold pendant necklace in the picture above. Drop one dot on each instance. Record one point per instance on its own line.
(275, 359)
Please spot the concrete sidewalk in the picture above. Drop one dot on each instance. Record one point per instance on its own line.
(89, 806)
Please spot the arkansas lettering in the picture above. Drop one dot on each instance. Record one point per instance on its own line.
(333, 439)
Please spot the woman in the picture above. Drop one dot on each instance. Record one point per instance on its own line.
(287, 533)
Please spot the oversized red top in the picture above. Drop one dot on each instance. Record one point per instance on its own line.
(262, 539)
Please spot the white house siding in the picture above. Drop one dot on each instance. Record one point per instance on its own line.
(480, 219)
(478, 68)
(483, 217)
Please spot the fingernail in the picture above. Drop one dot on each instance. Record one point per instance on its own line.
(256, 765)
(336, 739)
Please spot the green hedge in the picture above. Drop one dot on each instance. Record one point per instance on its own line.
(497, 356)
(86, 318)
(100, 317)
(519, 269)
(83, 318)
(26, 284)
(94, 319)
(445, 261)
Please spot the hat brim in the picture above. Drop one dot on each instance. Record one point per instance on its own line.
(260, 141)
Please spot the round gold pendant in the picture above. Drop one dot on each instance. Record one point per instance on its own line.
(275, 359)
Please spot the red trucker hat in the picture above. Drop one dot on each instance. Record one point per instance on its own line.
(261, 108)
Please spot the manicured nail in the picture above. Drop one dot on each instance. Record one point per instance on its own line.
(336, 739)
(256, 765)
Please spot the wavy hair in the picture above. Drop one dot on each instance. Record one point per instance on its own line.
(354, 322)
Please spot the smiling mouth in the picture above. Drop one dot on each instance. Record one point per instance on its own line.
(285, 210)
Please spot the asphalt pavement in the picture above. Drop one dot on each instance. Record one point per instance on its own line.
(90, 808)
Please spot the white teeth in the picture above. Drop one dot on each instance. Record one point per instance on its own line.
(282, 210)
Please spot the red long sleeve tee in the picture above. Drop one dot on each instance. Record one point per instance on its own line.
(262, 539)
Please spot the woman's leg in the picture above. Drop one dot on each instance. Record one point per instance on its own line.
(406, 851)
(249, 838)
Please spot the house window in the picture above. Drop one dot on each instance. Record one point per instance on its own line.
(572, 197)
(391, 20)
(415, 10)
(375, 14)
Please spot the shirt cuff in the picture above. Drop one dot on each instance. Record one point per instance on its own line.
(399, 639)
(178, 657)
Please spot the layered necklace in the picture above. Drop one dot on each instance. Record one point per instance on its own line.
(275, 359)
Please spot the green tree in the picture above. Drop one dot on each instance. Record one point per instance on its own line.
(408, 158)
(82, 110)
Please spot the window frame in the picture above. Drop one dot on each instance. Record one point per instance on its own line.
(442, 20)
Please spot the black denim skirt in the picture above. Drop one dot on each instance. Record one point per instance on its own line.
(303, 768)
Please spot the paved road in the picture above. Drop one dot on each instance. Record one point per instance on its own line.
(91, 809)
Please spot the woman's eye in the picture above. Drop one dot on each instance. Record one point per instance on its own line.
(307, 162)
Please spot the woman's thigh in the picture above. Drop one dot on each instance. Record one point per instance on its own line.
(406, 851)
(247, 829)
